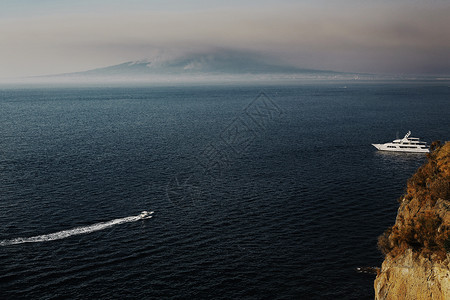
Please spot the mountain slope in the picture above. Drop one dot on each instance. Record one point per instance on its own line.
(206, 66)
(200, 64)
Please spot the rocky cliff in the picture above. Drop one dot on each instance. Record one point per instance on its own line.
(417, 246)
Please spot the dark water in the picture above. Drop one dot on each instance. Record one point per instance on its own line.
(277, 205)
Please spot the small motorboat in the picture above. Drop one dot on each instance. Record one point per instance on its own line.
(146, 215)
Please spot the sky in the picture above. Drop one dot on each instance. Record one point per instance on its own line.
(40, 37)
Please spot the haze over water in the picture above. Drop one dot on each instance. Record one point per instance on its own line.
(382, 37)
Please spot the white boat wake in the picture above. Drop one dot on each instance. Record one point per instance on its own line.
(76, 231)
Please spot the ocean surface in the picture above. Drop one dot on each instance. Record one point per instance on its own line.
(258, 192)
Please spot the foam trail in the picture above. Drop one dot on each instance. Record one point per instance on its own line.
(75, 231)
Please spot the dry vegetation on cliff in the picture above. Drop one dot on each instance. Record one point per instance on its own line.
(423, 221)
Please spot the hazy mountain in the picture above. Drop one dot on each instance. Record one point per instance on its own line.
(202, 66)
(218, 66)
(221, 66)
(222, 63)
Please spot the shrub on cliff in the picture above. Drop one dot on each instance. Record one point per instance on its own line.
(447, 245)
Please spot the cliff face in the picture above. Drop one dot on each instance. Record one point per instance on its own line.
(417, 246)
(411, 277)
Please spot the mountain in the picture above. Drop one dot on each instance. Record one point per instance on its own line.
(221, 63)
(216, 66)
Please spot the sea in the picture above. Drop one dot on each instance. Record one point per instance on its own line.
(257, 191)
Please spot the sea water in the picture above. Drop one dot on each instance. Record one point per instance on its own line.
(258, 191)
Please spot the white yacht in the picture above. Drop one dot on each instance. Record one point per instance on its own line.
(406, 144)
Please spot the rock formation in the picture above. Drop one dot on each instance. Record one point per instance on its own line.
(417, 246)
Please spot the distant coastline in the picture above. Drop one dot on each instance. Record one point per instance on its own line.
(226, 67)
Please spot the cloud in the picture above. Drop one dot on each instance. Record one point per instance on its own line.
(370, 38)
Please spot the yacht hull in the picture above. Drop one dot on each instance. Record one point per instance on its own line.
(384, 147)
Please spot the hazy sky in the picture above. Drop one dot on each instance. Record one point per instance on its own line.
(55, 36)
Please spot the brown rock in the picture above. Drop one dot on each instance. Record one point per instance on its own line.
(415, 278)
(417, 262)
